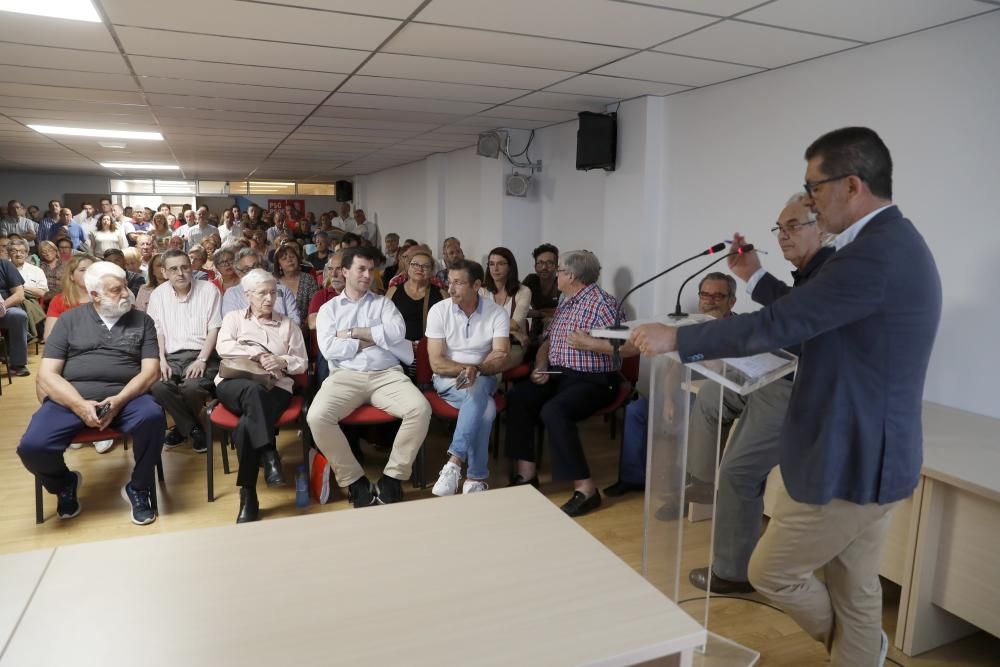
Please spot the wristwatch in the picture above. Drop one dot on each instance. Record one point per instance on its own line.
(204, 361)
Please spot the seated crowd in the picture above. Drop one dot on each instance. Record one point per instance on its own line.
(147, 315)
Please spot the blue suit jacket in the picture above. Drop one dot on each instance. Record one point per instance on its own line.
(867, 322)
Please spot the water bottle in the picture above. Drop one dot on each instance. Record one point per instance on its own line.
(301, 488)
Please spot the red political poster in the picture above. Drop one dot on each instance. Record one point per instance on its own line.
(298, 206)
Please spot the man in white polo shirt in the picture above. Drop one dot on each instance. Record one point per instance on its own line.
(187, 314)
(468, 341)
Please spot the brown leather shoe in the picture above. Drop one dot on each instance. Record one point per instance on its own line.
(699, 579)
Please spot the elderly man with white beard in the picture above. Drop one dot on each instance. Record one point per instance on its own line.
(100, 361)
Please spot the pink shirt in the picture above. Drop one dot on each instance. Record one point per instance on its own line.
(280, 335)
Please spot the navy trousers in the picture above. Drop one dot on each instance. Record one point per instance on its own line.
(53, 426)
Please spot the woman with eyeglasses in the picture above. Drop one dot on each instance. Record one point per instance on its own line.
(225, 272)
(288, 271)
(53, 266)
(415, 296)
(501, 285)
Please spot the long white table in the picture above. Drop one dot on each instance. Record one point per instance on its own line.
(19, 574)
(496, 578)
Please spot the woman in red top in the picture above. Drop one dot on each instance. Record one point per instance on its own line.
(74, 289)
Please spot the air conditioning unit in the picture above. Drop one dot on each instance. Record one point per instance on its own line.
(488, 144)
(518, 185)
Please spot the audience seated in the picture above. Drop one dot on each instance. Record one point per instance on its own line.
(224, 261)
(187, 315)
(362, 337)
(36, 285)
(275, 343)
(288, 271)
(52, 266)
(415, 297)
(574, 376)
(468, 341)
(133, 279)
(154, 279)
(99, 363)
(248, 259)
(13, 317)
(544, 291)
(502, 286)
(319, 258)
(451, 251)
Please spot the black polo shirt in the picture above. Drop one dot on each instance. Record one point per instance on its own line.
(99, 363)
(10, 278)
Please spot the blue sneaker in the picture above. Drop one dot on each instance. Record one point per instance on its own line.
(142, 507)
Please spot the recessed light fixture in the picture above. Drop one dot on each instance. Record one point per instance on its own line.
(77, 10)
(92, 132)
(112, 144)
(139, 165)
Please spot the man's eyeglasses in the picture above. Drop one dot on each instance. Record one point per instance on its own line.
(545, 262)
(810, 186)
(713, 296)
(421, 267)
(790, 229)
(246, 269)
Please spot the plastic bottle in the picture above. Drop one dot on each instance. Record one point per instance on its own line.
(301, 488)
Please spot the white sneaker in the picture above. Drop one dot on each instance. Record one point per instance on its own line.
(75, 445)
(447, 484)
(884, 651)
(103, 445)
(474, 486)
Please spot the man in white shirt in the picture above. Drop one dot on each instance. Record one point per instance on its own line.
(248, 259)
(365, 228)
(144, 243)
(200, 231)
(187, 316)
(363, 338)
(344, 221)
(280, 227)
(87, 219)
(468, 341)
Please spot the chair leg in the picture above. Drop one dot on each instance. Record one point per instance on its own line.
(39, 515)
(153, 494)
(210, 459)
(224, 446)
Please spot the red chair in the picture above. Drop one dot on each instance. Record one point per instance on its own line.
(369, 415)
(220, 417)
(93, 435)
(440, 408)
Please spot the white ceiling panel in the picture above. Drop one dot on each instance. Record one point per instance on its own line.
(241, 118)
(681, 70)
(74, 118)
(531, 113)
(714, 7)
(457, 71)
(754, 45)
(245, 74)
(368, 123)
(67, 93)
(237, 50)
(374, 85)
(333, 111)
(234, 91)
(492, 122)
(398, 9)
(47, 56)
(222, 103)
(283, 24)
(60, 32)
(382, 137)
(406, 103)
(423, 39)
(608, 86)
(56, 77)
(595, 21)
(881, 20)
(549, 100)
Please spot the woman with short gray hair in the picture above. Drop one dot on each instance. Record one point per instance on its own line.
(272, 350)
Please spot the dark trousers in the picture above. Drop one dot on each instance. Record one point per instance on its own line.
(53, 426)
(259, 410)
(559, 404)
(184, 399)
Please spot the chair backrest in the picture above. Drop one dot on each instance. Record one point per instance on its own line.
(301, 382)
(424, 372)
(630, 369)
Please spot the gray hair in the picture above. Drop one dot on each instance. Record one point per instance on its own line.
(797, 198)
(250, 252)
(15, 243)
(222, 252)
(98, 271)
(582, 264)
(718, 275)
(255, 279)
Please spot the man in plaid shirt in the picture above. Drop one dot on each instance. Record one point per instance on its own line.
(574, 376)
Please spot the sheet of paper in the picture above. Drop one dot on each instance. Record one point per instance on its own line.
(758, 365)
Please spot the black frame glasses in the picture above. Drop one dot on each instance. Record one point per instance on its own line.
(792, 229)
(809, 186)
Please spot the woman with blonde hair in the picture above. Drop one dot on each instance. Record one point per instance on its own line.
(52, 266)
(160, 233)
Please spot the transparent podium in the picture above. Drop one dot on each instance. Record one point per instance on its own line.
(670, 400)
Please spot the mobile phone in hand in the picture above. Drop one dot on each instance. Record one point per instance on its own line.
(103, 409)
(461, 380)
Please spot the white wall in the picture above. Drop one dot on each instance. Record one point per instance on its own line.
(736, 155)
(397, 199)
(40, 187)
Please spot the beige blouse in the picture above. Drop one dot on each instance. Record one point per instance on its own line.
(520, 304)
(279, 334)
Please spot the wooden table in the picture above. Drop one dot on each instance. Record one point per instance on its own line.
(19, 574)
(501, 578)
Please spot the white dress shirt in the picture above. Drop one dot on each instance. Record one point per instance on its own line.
(185, 322)
(851, 233)
(388, 331)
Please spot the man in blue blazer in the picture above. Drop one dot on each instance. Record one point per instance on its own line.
(851, 445)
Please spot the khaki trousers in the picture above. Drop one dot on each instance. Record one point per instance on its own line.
(845, 541)
(342, 393)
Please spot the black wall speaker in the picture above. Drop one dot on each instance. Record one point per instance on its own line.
(344, 190)
(596, 141)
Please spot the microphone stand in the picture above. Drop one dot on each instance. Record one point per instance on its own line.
(678, 313)
(616, 343)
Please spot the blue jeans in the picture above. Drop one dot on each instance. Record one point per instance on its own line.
(632, 462)
(476, 412)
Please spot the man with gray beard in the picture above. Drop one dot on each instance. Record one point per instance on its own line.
(100, 361)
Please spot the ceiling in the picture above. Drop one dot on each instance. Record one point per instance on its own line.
(315, 90)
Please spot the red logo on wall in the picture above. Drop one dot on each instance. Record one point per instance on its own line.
(297, 206)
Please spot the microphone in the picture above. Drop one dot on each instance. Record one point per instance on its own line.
(678, 313)
(618, 326)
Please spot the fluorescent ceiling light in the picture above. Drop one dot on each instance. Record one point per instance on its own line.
(138, 165)
(77, 10)
(91, 132)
